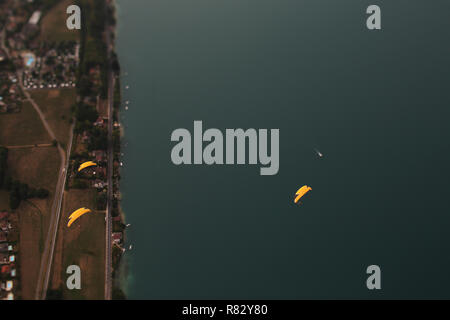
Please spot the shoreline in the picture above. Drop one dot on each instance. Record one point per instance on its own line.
(120, 267)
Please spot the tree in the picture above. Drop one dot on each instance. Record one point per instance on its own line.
(42, 193)
(85, 112)
(84, 87)
(53, 294)
(101, 201)
(118, 294)
(3, 166)
(99, 140)
(50, 61)
(14, 201)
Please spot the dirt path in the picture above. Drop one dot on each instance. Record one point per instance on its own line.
(49, 249)
(29, 146)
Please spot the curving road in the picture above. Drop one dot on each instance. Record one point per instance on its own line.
(50, 242)
(47, 255)
(109, 205)
(55, 213)
(110, 172)
(49, 249)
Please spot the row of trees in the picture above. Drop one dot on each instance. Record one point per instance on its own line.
(3, 165)
(18, 191)
(85, 116)
(93, 53)
(7, 65)
(93, 49)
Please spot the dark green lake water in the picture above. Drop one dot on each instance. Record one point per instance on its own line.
(375, 103)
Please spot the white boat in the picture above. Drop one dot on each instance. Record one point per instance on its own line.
(320, 154)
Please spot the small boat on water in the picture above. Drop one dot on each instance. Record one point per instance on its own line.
(320, 154)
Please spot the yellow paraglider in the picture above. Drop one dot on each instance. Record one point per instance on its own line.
(76, 214)
(301, 192)
(86, 165)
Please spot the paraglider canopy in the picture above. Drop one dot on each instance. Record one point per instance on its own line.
(86, 165)
(76, 214)
(301, 192)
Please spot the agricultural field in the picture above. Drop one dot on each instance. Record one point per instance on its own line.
(23, 128)
(53, 25)
(4, 200)
(38, 167)
(82, 244)
(56, 105)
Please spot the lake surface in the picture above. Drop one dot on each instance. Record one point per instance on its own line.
(375, 103)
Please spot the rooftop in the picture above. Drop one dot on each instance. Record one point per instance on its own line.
(35, 17)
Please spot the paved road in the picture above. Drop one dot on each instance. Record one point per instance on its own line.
(49, 249)
(108, 240)
(109, 206)
(55, 213)
(47, 255)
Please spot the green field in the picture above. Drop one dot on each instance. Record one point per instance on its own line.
(33, 217)
(82, 244)
(53, 24)
(4, 200)
(23, 128)
(56, 104)
(37, 167)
